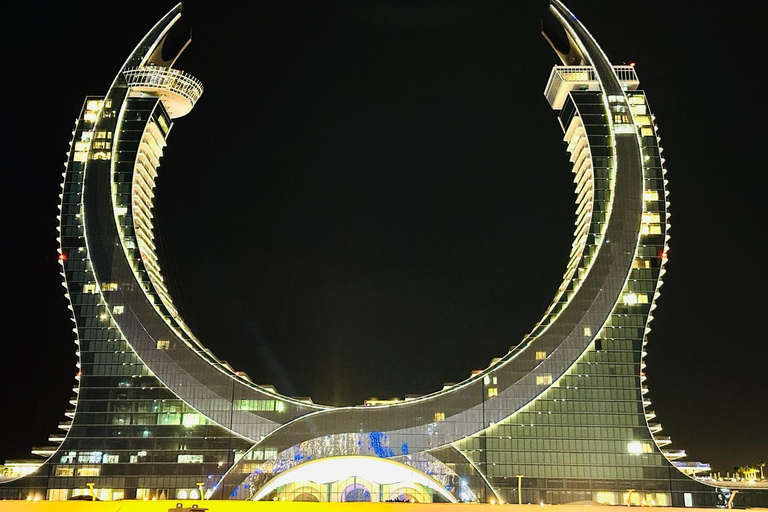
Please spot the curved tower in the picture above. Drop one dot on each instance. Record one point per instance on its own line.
(561, 417)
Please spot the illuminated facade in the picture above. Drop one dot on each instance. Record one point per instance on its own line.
(157, 415)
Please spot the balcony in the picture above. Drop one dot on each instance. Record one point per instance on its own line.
(692, 468)
(179, 91)
(564, 79)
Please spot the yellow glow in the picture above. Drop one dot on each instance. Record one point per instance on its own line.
(640, 298)
(651, 195)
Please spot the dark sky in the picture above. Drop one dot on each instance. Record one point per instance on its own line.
(372, 198)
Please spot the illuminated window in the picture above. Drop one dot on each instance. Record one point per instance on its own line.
(544, 380)
(89, 288)
(118, 310)
(89, 457)
(69, 457)
(81, 156)
(101, 155)
(646, 132)
(169, 418)
(110, 458)
(650, 229)
(439, 416)
(259, 405)
(81, 146)
(94, 104)
(541, 355)
(493, 392)
(606, 497)
(587, 331)
(190, 420)
(88, 471)
(643, 120)
(637, 447)
(109, 287)
(189, 459)
(65, 471)
(651, 218)
(641, 263)
(631, 299)
(163, 344)
(651, 195)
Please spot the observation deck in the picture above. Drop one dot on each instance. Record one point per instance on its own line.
(178, 90)
(564, 79)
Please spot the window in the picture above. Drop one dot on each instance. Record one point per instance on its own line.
(637, 447)
(110, 458)
(259, 405)
(163, 344)
(643, 120)
(651, 195)
(69, 457)
(544, 379)
(191, 420)
(651, 218)
(118, 310)
(493, 392)
(641, 263)
(587, 330)
(439, 416)
(109, 287)
(88, 471)
(190, 459)
(169, 418)
(91, 457)
(541, 355)
(65, 471)
(630, 299)
(650, 229)
(89, 288)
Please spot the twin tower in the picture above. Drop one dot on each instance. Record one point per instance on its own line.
(562, 417)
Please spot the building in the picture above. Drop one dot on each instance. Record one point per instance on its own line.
(561, 418)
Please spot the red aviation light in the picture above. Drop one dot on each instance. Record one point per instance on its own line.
(663, 255)
(62, 257)
(632, 64)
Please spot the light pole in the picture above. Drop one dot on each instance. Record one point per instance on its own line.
(519, 489)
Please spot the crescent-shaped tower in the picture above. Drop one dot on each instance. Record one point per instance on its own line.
(562, 417)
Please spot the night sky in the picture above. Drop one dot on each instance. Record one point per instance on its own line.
(372, 198)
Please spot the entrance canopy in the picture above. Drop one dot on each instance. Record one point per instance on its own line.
(372, 469)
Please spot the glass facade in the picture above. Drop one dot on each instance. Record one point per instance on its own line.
(562, 417)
